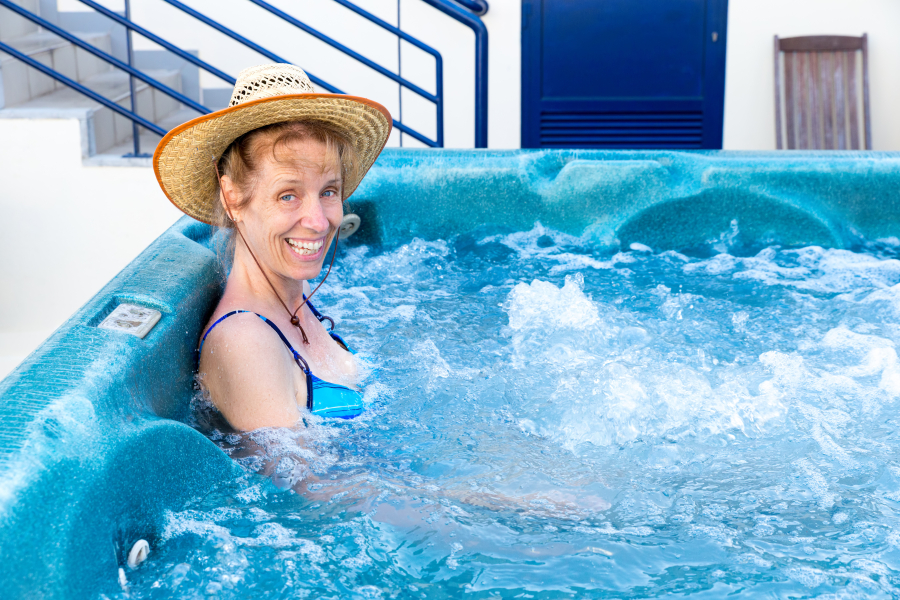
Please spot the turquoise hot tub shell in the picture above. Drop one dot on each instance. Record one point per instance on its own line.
(92, 450)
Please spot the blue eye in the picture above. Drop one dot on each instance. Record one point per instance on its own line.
(329, 193)
(287, 197)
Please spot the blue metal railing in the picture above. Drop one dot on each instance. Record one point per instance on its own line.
(438, 61)
(127, 23)
(78, 87)
(102, 55)
(481, 63)
(131, 26)
(206, 20)
(479, 7)
(445, 6)
(353, 54)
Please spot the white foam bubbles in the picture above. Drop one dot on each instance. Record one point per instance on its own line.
(541, 304)
(817, 483)
(813, 269)
(593, 394)
(877, 357)
(549, 245)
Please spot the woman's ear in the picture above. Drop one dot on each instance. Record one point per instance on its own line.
(227, 195)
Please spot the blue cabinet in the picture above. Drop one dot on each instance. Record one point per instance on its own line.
(623, 73)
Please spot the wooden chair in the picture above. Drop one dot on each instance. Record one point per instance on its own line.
(821, 93)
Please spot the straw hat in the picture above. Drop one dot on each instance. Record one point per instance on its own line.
(263, 95)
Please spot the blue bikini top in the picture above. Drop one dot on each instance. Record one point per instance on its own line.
(323, 398)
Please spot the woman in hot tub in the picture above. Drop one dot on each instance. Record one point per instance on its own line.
(274, 168)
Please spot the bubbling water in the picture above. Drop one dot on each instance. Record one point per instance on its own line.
(547, 419)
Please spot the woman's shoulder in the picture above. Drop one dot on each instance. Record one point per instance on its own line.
(242, 335)
(249, 373)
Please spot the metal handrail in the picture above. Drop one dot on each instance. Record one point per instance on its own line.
(438, 60)
(479, 7)
(241, 39)
(104, 56)
(132, 97)
(80, 88)
(481, 63)
(158, 40)
(335, 44)
(445, 6)
(316, 80)
(385, 25)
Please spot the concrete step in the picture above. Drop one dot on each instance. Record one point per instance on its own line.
(107, 129)
(20, 83)
(13, 26)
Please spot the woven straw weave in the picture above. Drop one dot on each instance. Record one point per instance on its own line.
(184, 159)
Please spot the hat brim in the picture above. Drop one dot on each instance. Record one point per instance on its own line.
(184, 158)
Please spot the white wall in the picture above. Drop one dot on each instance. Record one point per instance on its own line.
(67, 228)
(749, 73)
(504, 24)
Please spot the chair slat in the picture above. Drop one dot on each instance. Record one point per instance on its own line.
(790, 96)
(816, 130)
(826, 94)
(852, 102)
(779, 133)
(821, 43)
(867, 114)
(803, 132)
(840, 100)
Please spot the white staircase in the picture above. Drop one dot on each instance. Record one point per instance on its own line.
(27, 93)
(64, 175)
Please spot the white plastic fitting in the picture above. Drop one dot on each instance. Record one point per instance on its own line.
(138, 553)
(349, 225)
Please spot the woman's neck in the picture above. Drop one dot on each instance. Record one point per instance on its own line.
(247, 279)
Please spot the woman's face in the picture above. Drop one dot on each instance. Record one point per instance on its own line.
(295, 208)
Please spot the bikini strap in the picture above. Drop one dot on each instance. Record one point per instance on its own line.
(211, 327)
(301, 362)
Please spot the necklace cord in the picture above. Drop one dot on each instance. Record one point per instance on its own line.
(295, 320)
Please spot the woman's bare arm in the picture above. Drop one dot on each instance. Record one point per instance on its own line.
(251, 377)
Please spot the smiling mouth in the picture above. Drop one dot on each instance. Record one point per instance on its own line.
(305, 248)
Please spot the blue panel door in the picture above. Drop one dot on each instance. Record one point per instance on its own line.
(623, 73)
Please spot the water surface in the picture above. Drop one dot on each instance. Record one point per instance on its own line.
(549, 419)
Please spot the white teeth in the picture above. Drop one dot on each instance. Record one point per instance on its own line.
(305, 248)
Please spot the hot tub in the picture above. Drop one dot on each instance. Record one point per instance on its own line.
(96, 454)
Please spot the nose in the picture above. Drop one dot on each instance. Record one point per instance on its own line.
(313, 217)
